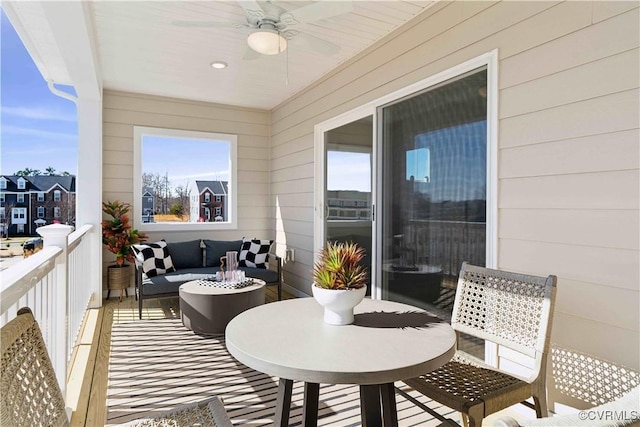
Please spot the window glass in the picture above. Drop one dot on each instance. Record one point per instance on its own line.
(434, 192)
(40, 212)
(20, 198)
(56, 212)
(41, 197)
(56, 196)
(181, 170)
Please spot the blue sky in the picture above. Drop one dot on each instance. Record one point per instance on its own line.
(38, 129)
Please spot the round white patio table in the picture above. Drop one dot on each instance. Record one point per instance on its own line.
(387, 342)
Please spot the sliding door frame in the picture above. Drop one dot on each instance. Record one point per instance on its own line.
(488, 60)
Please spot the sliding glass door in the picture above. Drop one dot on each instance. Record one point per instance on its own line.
(433, 187)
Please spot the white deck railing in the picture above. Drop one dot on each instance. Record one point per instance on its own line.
(54, 284)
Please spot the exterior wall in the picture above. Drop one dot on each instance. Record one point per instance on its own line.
(122, 111)
(568, 190)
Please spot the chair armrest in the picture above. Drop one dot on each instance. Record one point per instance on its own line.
(277, 259)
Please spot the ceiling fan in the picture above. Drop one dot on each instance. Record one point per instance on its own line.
(269, 25)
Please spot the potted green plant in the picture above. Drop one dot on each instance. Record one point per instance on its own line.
(339, 281)
(118, 236)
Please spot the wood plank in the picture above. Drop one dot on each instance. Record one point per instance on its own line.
(573, 85)
(598, 190)
(572, 226)
(96, 414)
(593, 153)
(603, 266)
(615, 35)
(606, 114)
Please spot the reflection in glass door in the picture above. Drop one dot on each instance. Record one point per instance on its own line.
(348, 201)
(434, 191)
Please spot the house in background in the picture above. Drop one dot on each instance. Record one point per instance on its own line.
(147, 205)
(209, 201)
(27, 201)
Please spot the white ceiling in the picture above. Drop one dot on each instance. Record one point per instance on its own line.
(140, 49)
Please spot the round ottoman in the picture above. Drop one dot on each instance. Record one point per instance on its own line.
(208, 309)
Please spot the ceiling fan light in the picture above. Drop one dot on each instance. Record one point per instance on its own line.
(267, 42)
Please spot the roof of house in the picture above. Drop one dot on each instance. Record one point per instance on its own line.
(216, 187)
(42, 182)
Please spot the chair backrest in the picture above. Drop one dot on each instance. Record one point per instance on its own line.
(509, 309)
(29, 390)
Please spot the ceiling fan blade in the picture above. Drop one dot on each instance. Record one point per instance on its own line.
(321, 46)
(208, 24)
(316, 12)
(252, 9)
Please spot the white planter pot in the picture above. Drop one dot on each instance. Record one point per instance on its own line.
(338, 303)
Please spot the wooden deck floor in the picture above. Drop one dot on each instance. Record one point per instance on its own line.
(108, 398)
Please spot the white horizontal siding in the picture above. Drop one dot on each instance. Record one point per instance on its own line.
(568, 133)
(123, 111)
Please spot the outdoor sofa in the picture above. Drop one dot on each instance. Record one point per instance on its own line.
(162, 267)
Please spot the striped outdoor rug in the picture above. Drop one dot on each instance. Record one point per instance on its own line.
(156, 365)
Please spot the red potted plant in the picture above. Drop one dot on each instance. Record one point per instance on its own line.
(118, 236)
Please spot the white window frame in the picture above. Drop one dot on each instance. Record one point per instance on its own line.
(57, 195)
(16, 217)
(2, 197)
(218, 211)
(207, 214)
(41, 197)
(218, 198)
(22, 183)
(20, 228)
(3, 183)
(231, 222)
(56, 212)
(20, 198)
(207, 197)
(40, 212)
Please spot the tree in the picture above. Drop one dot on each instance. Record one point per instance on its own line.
(50, 171)
(183, 194)
(160, 189)
(28, 172)
(176, 209)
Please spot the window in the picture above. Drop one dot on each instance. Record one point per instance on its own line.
(3, 183)
(2, 214)
(218, 211)
(207, 197)
(178, 166)
(20, 228)
(207, 214)
(41, 197)
(218, 198)
(150, 199)
(20, 198)
(1, 197)
(19, 215)
(56, 212)
(40, 212)
(22, 184)
(56, 196)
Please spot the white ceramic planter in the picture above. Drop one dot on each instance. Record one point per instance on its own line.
(338, 303)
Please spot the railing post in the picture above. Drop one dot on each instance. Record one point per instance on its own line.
(56, 235)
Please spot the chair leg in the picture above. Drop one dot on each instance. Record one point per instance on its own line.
(475, 415)
(140, 307)
(540, 401)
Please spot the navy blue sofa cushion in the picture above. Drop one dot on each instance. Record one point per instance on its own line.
(170, 282)
(186, 254)
(214, 249)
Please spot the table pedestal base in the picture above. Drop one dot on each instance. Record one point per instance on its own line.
(377, 404)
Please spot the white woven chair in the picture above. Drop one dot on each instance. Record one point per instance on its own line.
(512, 310)
(30, 394)
(622, 412)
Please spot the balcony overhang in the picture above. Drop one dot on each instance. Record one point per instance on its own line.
(60, 38)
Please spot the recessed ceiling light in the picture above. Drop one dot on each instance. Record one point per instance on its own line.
(219, 64)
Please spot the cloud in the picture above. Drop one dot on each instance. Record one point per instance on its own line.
(19, 130)
(39, 113)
